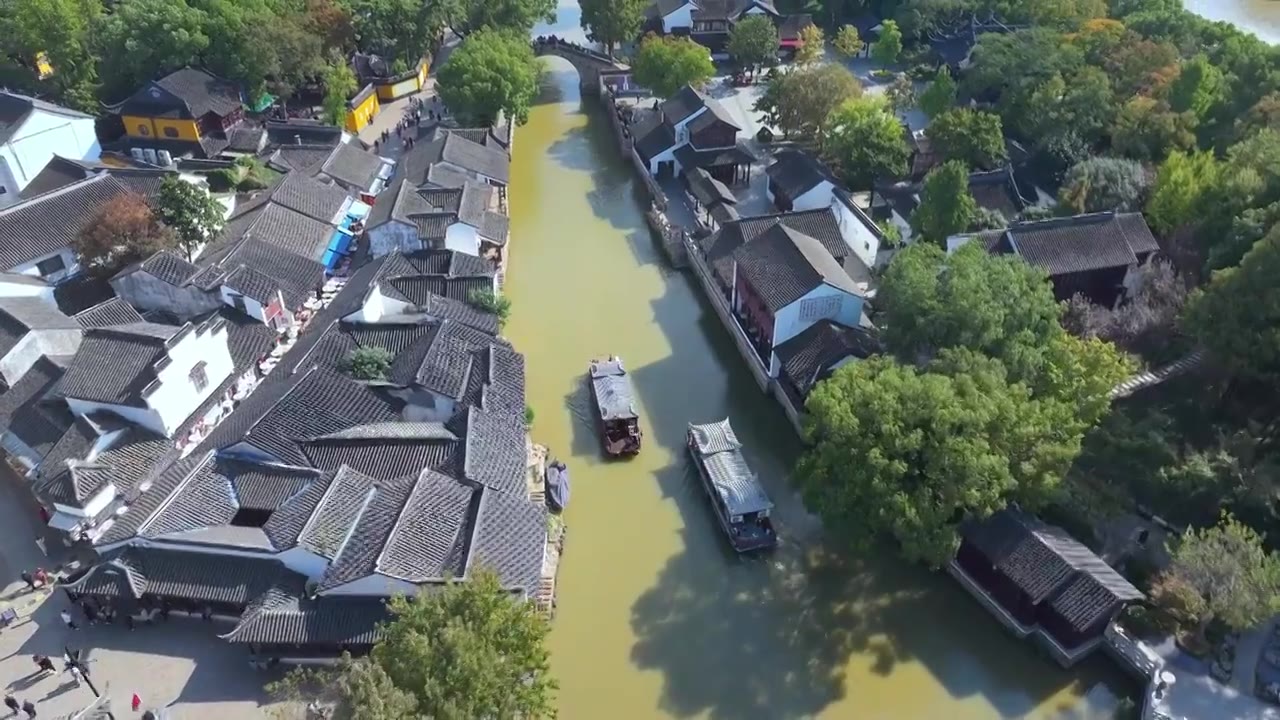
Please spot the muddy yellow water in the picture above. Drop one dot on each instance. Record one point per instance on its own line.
(657, 618)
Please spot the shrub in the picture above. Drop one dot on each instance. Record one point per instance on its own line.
(368, 363)
(528, 415)
(491, 302)
(224, 179)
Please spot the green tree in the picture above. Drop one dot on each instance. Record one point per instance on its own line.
(847, 42)
(1105, 183)
(1198, 87)
(63, 31)
(517, 16)
(901, 93)
(190, 212)
(124, 230)
(1181, 183)
(1237, 315)
(799, 101)
(1245, 230)
(471, 650)
(971, 136)
(664, 64)
(142, 39)
(490, 73)
(866, 142)
(259, 45)
(339, 87)
(946, 207)
(356, 689)
(1237, 579)
(491, 302)
(1148, 129)
(911, 454)
(611, 22)
(368, 363)
(400, 30)
(940, 96)
(753, 41)
(886, 50)
(813, 44)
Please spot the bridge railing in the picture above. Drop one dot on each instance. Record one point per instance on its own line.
(573, 48)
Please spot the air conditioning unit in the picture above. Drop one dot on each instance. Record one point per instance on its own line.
(150, 154)
(137, 154)
(164, 157)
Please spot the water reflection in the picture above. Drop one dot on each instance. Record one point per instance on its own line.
(657, 618)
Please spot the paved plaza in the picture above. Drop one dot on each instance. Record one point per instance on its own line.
(180, 665)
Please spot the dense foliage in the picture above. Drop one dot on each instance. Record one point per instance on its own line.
(1235, 578)
(799, 101)
(946, 207)
(753, 41)
(612, 22)
(666, 63)
(470, 650)
(865, 142)
(492, 72)
(971, 136)
(124, 230)
(368, 363)
(192, 214)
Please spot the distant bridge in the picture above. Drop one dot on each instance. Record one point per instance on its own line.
(586, 61)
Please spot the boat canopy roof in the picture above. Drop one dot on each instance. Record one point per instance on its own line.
(721, 455)
(614, 396)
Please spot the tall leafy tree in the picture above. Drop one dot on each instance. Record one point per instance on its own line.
(753, 41)
(490, 72)
(1148, 129)
(517, 16)
(189, 212)
(611, 22)
(400, 30)
(813, 44)
(972, 136)
(888, 48)
(1105, 183)
(144, 39)
(946, 207)
(1180, 184)
(940, 96)
(866, 142)
(339, 85)
(60, 31)
(847, 42)
(1237, 315)
(912, 453)
(901, 93)
(469, 651)
(331, 20)
(124, 230)
(799, 101)
(1198, 87)
(1236, 577)
(664, 64)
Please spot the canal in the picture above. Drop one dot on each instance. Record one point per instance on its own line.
(657, 618)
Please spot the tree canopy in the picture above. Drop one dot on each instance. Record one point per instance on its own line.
(339, 86)
(847, 42)
(1237, 315)
(946, 207)
(753, 41)
(190, 212)
(400, 30)
(611, 22)
(866, 142)
(799, 101)
(888, 48)
(1181, 182)
(813, 44)
(971, 136)
(1237, 579)
(665, 63)
(940, 96)
(491, 72)
(516, 16)
(63, 30)
(124, 230)
(1105, 183)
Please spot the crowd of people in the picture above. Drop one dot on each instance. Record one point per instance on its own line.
(406, 130)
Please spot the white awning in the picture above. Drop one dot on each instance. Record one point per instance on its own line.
(65, 521)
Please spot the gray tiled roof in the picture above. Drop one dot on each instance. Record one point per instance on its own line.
(306, 159)
(353, 166)
(807, 355)
(22, 410)
(653, 137)
(310, 132)
(494, 227)
(392, 431)
(205, 499)
(337, 513)
(458, 151)
(444, 365)
(51, 222)
(273, 266)
(264, 486)
(357, 555)
(510, 539)
(796, 172)
(127, 461)
(783, 266)
(111, 312)
(495, 451)
(198, 576)
(284, 618)
(443, 176)
(386, 459)
(291, 517)
(715, 113)
(820, 224)
(196, 91)
(420, 290)
(288, 230)
(684, 103)
(1082, 243)
(707, 190)
(310, 197)
(168, 267)
(429, 539)
(436, 262)
(114, 364)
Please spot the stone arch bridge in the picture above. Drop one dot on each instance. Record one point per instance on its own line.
(589, 63)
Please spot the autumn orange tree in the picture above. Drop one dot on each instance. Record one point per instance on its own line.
(123, 231)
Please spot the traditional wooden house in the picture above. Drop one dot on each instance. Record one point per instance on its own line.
(187, 111)
(692, 130)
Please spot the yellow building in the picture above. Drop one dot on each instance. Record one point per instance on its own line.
(362, 109)
(187, 110)
(403, 84)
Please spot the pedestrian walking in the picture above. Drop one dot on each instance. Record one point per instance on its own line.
(42, 577)
(71, 623)
(29, 579)
(128, 621)
(136, 702)
(29, 708)
(76, 676)
(12, 703)
(90, 613)
(44, 664)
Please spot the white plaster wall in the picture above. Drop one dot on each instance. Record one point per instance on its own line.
(819, 196)
(392, 236)
(858, 230)
(681, 17)
(20, 450)
(787, 322)
(669, 154)
(35, 343)
(21, 289)
(463, 238)
(177, 397)
(37, 140)
(96, 504)
(71, 266)
(252, 307)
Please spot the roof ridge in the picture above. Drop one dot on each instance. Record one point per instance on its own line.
(56, 192)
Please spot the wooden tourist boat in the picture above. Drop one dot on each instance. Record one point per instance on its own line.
(556, 480)
(615, 407)
(737, 496)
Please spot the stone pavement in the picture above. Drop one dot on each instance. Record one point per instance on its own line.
(180, 664)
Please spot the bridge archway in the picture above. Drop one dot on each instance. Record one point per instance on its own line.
(586, 61)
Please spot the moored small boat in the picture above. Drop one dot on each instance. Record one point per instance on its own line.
(739, 500)
(615, 406)
(557, 484)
